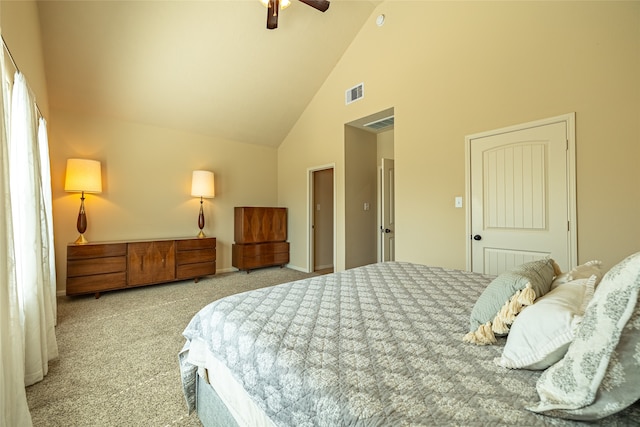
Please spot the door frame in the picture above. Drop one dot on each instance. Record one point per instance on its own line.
(310, 209)
(381, 209)
(570, 120)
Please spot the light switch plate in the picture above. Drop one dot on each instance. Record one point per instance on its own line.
(458, 202)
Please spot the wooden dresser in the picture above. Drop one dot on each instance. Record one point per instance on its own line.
(260, 235)
(104, 266)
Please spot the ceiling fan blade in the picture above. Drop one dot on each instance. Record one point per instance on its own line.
(273, 9)
(321, 5)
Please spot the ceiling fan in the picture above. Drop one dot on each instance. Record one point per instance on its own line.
(274, 6)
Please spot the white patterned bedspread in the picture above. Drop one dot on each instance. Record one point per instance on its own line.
(372, 346)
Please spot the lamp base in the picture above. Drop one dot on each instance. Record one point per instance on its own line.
(201, 221)
(81, 224)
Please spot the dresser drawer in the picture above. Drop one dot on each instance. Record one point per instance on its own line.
(96, 283)
(264, 249)
(90, 266)
(247, 257)
(249, 262)
(192, 257)
(196, 244)
(96, 251)
(188, 271)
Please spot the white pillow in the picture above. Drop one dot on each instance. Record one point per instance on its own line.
(582, 378)
(583, 271)
(541, 333)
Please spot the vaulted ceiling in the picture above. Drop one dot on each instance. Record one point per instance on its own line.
(208, 67)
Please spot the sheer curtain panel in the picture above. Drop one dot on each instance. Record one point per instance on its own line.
(36, 287)
(46, 221)
(13, 400)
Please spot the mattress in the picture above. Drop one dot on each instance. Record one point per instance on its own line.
(375, 345)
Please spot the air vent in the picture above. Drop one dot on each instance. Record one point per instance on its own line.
(354, 94)
(381, 123)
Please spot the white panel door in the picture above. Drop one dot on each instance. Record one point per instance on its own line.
(520, 198)
(387, 214)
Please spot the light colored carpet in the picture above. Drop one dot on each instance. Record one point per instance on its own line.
(118, 363)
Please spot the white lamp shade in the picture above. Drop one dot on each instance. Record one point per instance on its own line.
(83, 175)
(283, 3)
(202, 184)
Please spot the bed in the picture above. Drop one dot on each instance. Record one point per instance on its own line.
(379, 345)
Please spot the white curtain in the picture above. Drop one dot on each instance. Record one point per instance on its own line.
(46, 224)
(13, 400)
(27, 260)
(32, 229)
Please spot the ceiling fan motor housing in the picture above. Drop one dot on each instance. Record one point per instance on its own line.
(273, 10)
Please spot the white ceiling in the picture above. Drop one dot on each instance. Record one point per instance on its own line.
(208, 67)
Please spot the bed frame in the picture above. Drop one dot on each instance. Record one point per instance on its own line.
(211, 410)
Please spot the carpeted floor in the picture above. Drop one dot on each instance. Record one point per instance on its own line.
(118, 363)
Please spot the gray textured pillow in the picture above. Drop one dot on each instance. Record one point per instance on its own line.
(505, 297)
(600, 373)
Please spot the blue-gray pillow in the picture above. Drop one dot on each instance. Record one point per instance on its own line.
(505, 297)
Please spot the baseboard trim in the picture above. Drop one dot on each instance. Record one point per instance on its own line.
(295, 267)
(226, 270)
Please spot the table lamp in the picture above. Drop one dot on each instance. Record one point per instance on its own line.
(83, 176)
(202, 185)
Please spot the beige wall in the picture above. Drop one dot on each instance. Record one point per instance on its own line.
(147, 182)
(452, 69)
(21, 30)
(449, 69)
(146, 170)
(360, 189)
(385, 146)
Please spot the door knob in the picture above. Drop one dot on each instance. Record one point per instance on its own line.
(477, 237)
(386, 230)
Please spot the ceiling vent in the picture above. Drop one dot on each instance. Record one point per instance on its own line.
(380, 123)
(354, 94)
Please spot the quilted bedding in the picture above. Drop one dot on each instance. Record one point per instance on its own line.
(372, 346)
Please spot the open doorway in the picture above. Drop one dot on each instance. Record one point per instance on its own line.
(367, 141)
(322, 220)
